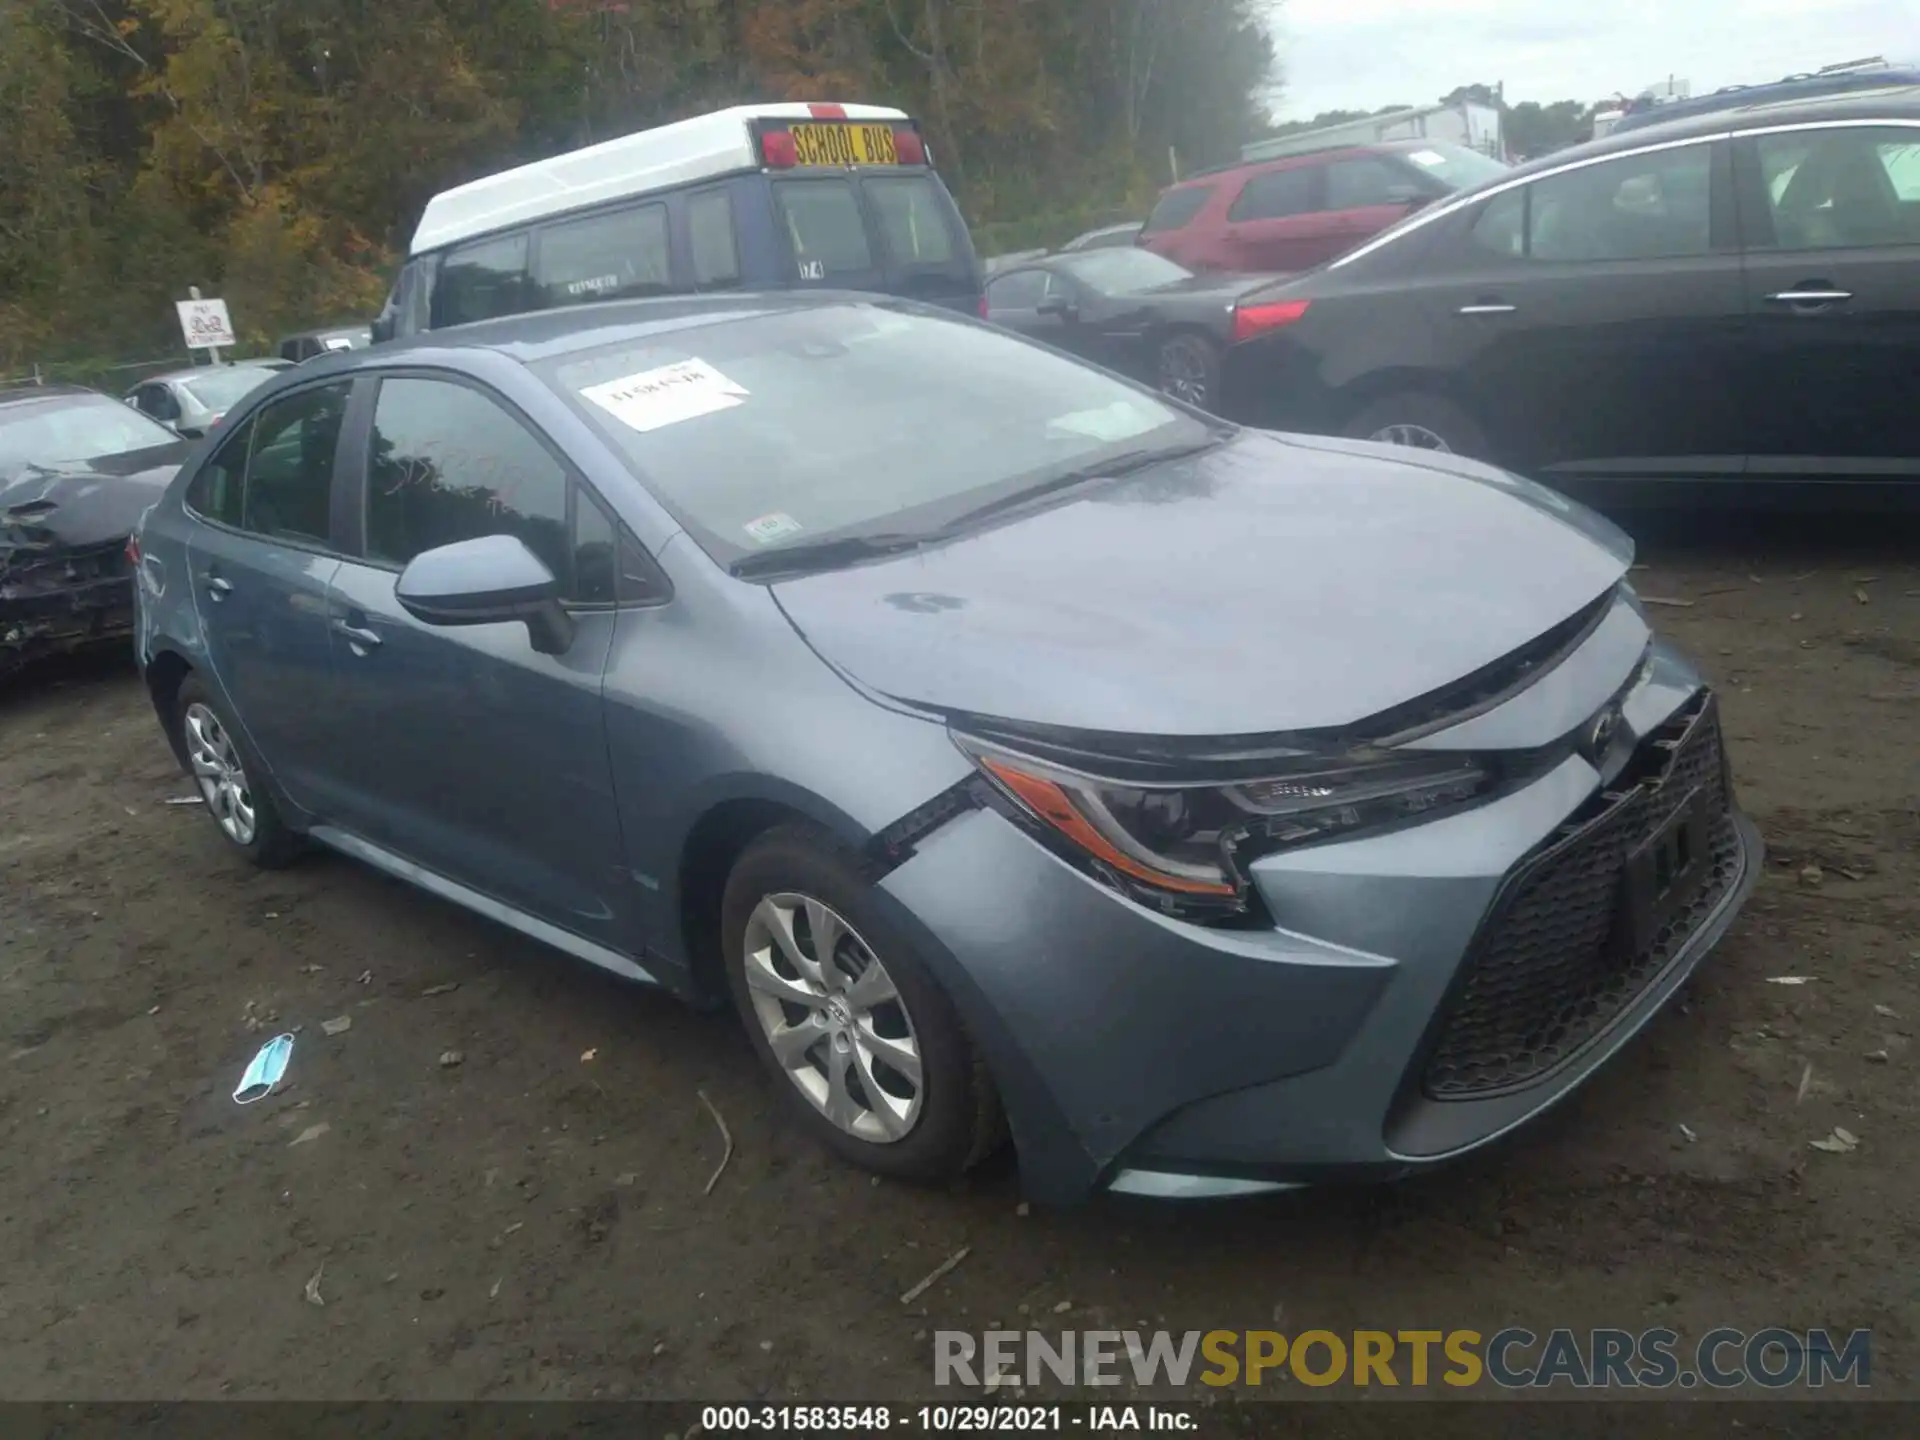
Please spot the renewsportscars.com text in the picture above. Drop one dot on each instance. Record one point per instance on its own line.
(1512, 1358)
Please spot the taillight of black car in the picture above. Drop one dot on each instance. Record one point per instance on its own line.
(1261, 317)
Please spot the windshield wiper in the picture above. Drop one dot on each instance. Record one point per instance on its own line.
(823, 554)
(1112, 468)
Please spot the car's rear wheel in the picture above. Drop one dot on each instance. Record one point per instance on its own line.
(228, 779)
(850, 1021)
(1419, 422)
(1188, 368)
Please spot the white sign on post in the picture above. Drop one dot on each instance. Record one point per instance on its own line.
(205, 324)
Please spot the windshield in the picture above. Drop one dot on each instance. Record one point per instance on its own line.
(222, 389)
(1454, 166)
(789, 427)
(1116, 272)
(67, 429)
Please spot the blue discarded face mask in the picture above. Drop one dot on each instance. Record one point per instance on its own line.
(266, 1070)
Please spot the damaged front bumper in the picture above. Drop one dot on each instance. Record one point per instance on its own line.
(55, 599)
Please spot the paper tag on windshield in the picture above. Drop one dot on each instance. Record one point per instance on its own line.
(769, 528)
(1121, 420)
(666, 396)
(1427, 157)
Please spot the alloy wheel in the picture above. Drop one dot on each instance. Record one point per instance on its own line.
(1415, 437)
(219, 774)
(833, 1017)
(1183, 373)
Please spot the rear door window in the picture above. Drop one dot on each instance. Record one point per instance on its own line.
(1280, 193)
(604, 257)
(289, 484)
(1176, 209)
(825, 228)
(913, 221)
(482, 280)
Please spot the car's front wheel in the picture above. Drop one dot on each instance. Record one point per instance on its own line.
(1419, 422)
(850, 1021)
(221, 765)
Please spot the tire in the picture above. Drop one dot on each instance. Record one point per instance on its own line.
(1412, 413)
(1187, 367)
(223, 768)
(797, 876)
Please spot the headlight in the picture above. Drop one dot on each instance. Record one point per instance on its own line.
(1179, 845)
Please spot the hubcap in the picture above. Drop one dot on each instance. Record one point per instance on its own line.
(219, 774)
(833, 1018)
(1417, 437)
(1183, 373)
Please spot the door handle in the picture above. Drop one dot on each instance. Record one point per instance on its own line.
(217, 588)
(1811, 294)
(359, 636)
(1488, 307)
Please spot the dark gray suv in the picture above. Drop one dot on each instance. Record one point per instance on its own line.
(1018, 748)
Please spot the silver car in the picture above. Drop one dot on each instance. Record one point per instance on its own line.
(190, 402)
(1015, 748)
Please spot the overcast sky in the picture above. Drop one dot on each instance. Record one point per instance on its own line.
(1362, 54)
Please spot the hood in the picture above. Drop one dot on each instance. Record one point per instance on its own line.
(1273, 584)
(46, 510)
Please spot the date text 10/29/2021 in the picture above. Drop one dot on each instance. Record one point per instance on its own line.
(945, 1419)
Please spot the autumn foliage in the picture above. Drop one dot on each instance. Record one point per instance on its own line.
(277, 152)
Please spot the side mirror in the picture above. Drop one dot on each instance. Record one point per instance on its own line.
(381, 330)
(1064, 309)
(487, 581)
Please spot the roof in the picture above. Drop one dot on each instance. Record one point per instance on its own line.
(544, 334)
(328, 332)
(15, 394)
(677, 154)
(1832, 82)
(1759, 110)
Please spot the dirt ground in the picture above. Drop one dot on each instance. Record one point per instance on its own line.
(531, 1222)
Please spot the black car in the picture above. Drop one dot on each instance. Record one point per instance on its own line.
(77, 469)
(1130, 310)
(1709, 307)
(309, 343)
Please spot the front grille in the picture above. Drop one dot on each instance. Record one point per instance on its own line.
(1551, 967)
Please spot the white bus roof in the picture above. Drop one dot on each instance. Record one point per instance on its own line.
(677, 154)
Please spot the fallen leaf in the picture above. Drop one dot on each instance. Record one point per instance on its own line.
(446, 989)
(450, 1058)
(311, 969)
(1687, 1131)
(1811, 875)
(513, 1227)
(312, 1132)
(313, 1286)
(1662, 600)
(588, 1054)
(494, 1293)
(1851, 874)
(365, 977)
(1788, 979)
(339, 1025)
(626, 1177)
(1840, 1142)
(1879, 1057)
(1806, 1083)
(1886, 1012)
(1861, 596)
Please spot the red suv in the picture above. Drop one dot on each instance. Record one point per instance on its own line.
(1302, 210)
